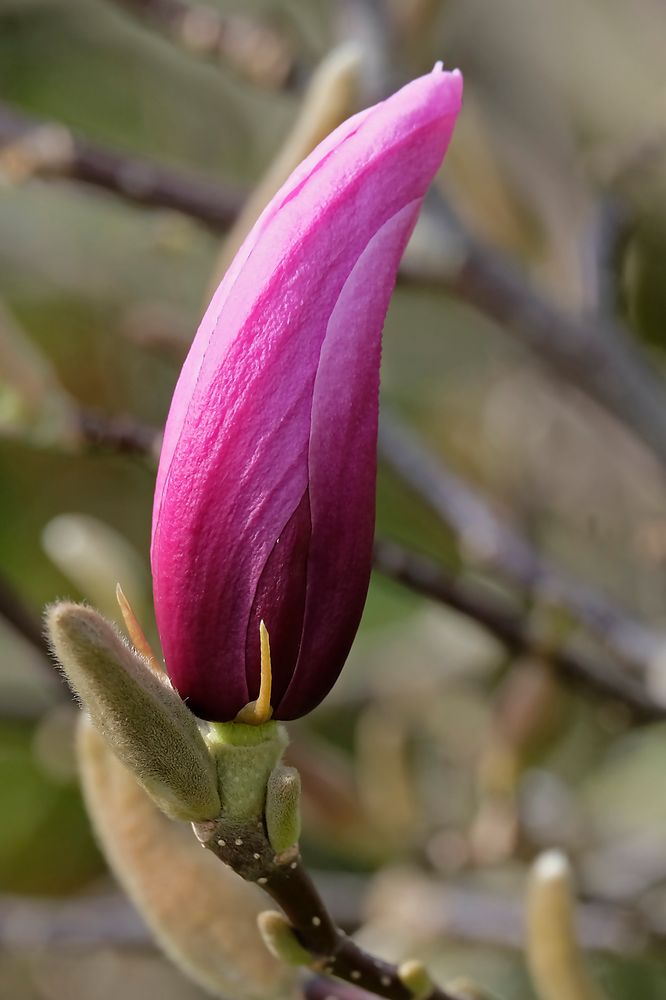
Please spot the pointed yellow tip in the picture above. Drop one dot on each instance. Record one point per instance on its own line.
(263, 707)
(134, 630)
(255, 713)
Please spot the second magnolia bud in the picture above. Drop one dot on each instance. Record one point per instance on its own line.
(136, 711)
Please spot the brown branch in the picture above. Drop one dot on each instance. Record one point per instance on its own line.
(512, 628)
(599, 358)
(33, 148)
(257, 49)
(246, 849)
(494, 543)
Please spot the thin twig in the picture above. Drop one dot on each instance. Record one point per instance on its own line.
(257, 49)
(494, 543)
(512, 628)
(33, 148)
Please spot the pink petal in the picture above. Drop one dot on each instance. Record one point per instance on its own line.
(271, 437)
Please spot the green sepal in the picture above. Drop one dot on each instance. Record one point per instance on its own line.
(245, 756)
(137, 712)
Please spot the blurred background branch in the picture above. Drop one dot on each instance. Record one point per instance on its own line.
(492, 542)
(597, 356)
(483, 605)
(46, 149)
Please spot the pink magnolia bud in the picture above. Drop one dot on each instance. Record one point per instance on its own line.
(265, 498)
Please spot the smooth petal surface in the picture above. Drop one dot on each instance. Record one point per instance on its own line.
(264, 506)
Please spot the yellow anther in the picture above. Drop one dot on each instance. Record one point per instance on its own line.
(255, 713)
(135, 632)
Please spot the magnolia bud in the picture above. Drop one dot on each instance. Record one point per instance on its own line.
(265, 498)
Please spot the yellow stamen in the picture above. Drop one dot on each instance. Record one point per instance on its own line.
(255, 713)
(135, 632)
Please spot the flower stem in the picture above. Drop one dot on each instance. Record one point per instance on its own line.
(287, 881)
